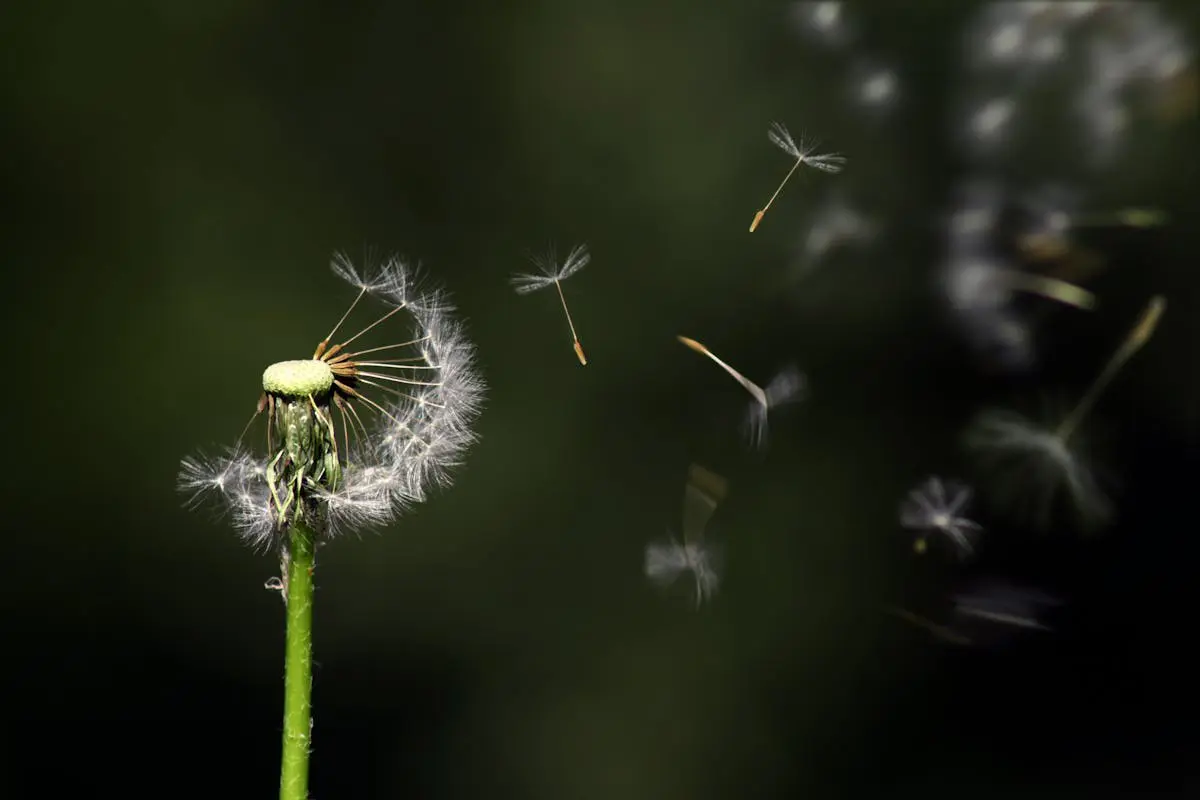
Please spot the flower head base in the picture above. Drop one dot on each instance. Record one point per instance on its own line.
(354, 434)
(298, 378)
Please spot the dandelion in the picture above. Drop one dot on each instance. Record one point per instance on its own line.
(1037, 462)
(935, 507)
(554, 273)
(826, 162)
(666, 560)
(354, 435)
(788, 386)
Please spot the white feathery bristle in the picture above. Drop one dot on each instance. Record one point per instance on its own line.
(402, 453)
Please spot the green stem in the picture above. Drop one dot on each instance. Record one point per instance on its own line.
(297, 701)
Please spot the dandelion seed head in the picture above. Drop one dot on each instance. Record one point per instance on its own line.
(298, 378)
(366, 429)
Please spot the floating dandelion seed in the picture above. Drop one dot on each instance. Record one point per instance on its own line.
(934, 507)
(943, 632)
(989, 614)
(666, 560)
(788, 386)
(982, 283)
(827, 162)
(1002, 603)
(1039, 461)
(1050, 237)
(553, 273)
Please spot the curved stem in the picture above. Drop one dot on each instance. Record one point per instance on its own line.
(297, 700)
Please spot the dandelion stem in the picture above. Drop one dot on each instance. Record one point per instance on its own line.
(758, 217)
(297, 701)
(1138, 336)
(574, 336)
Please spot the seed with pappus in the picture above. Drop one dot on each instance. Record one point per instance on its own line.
(359, 430)
(1033, 464)
(666, 560)
(788, 386)
(804, 154)
(551, 272)
(937, 506)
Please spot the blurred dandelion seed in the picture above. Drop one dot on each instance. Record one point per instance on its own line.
(666, 560)
(826, 162)
(980, 283)
(1038, 461)
(1135, 341)
(1050, 288)
(943, 632)
(554, 273)
(1003, 603)
(988, 614)
(934, 507)
(1050, 237)
(788, 386)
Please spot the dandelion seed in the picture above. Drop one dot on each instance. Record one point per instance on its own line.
(666, 560)
(989, 614)
(1036, 462)
(943, 632)
(554, 273)
(1002, 603)
(982, 283)
(788, 386)
(836, 224)
(934, 507)
(1052, 218)
(826, 162)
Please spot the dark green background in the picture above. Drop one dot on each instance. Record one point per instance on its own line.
(178, 175)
